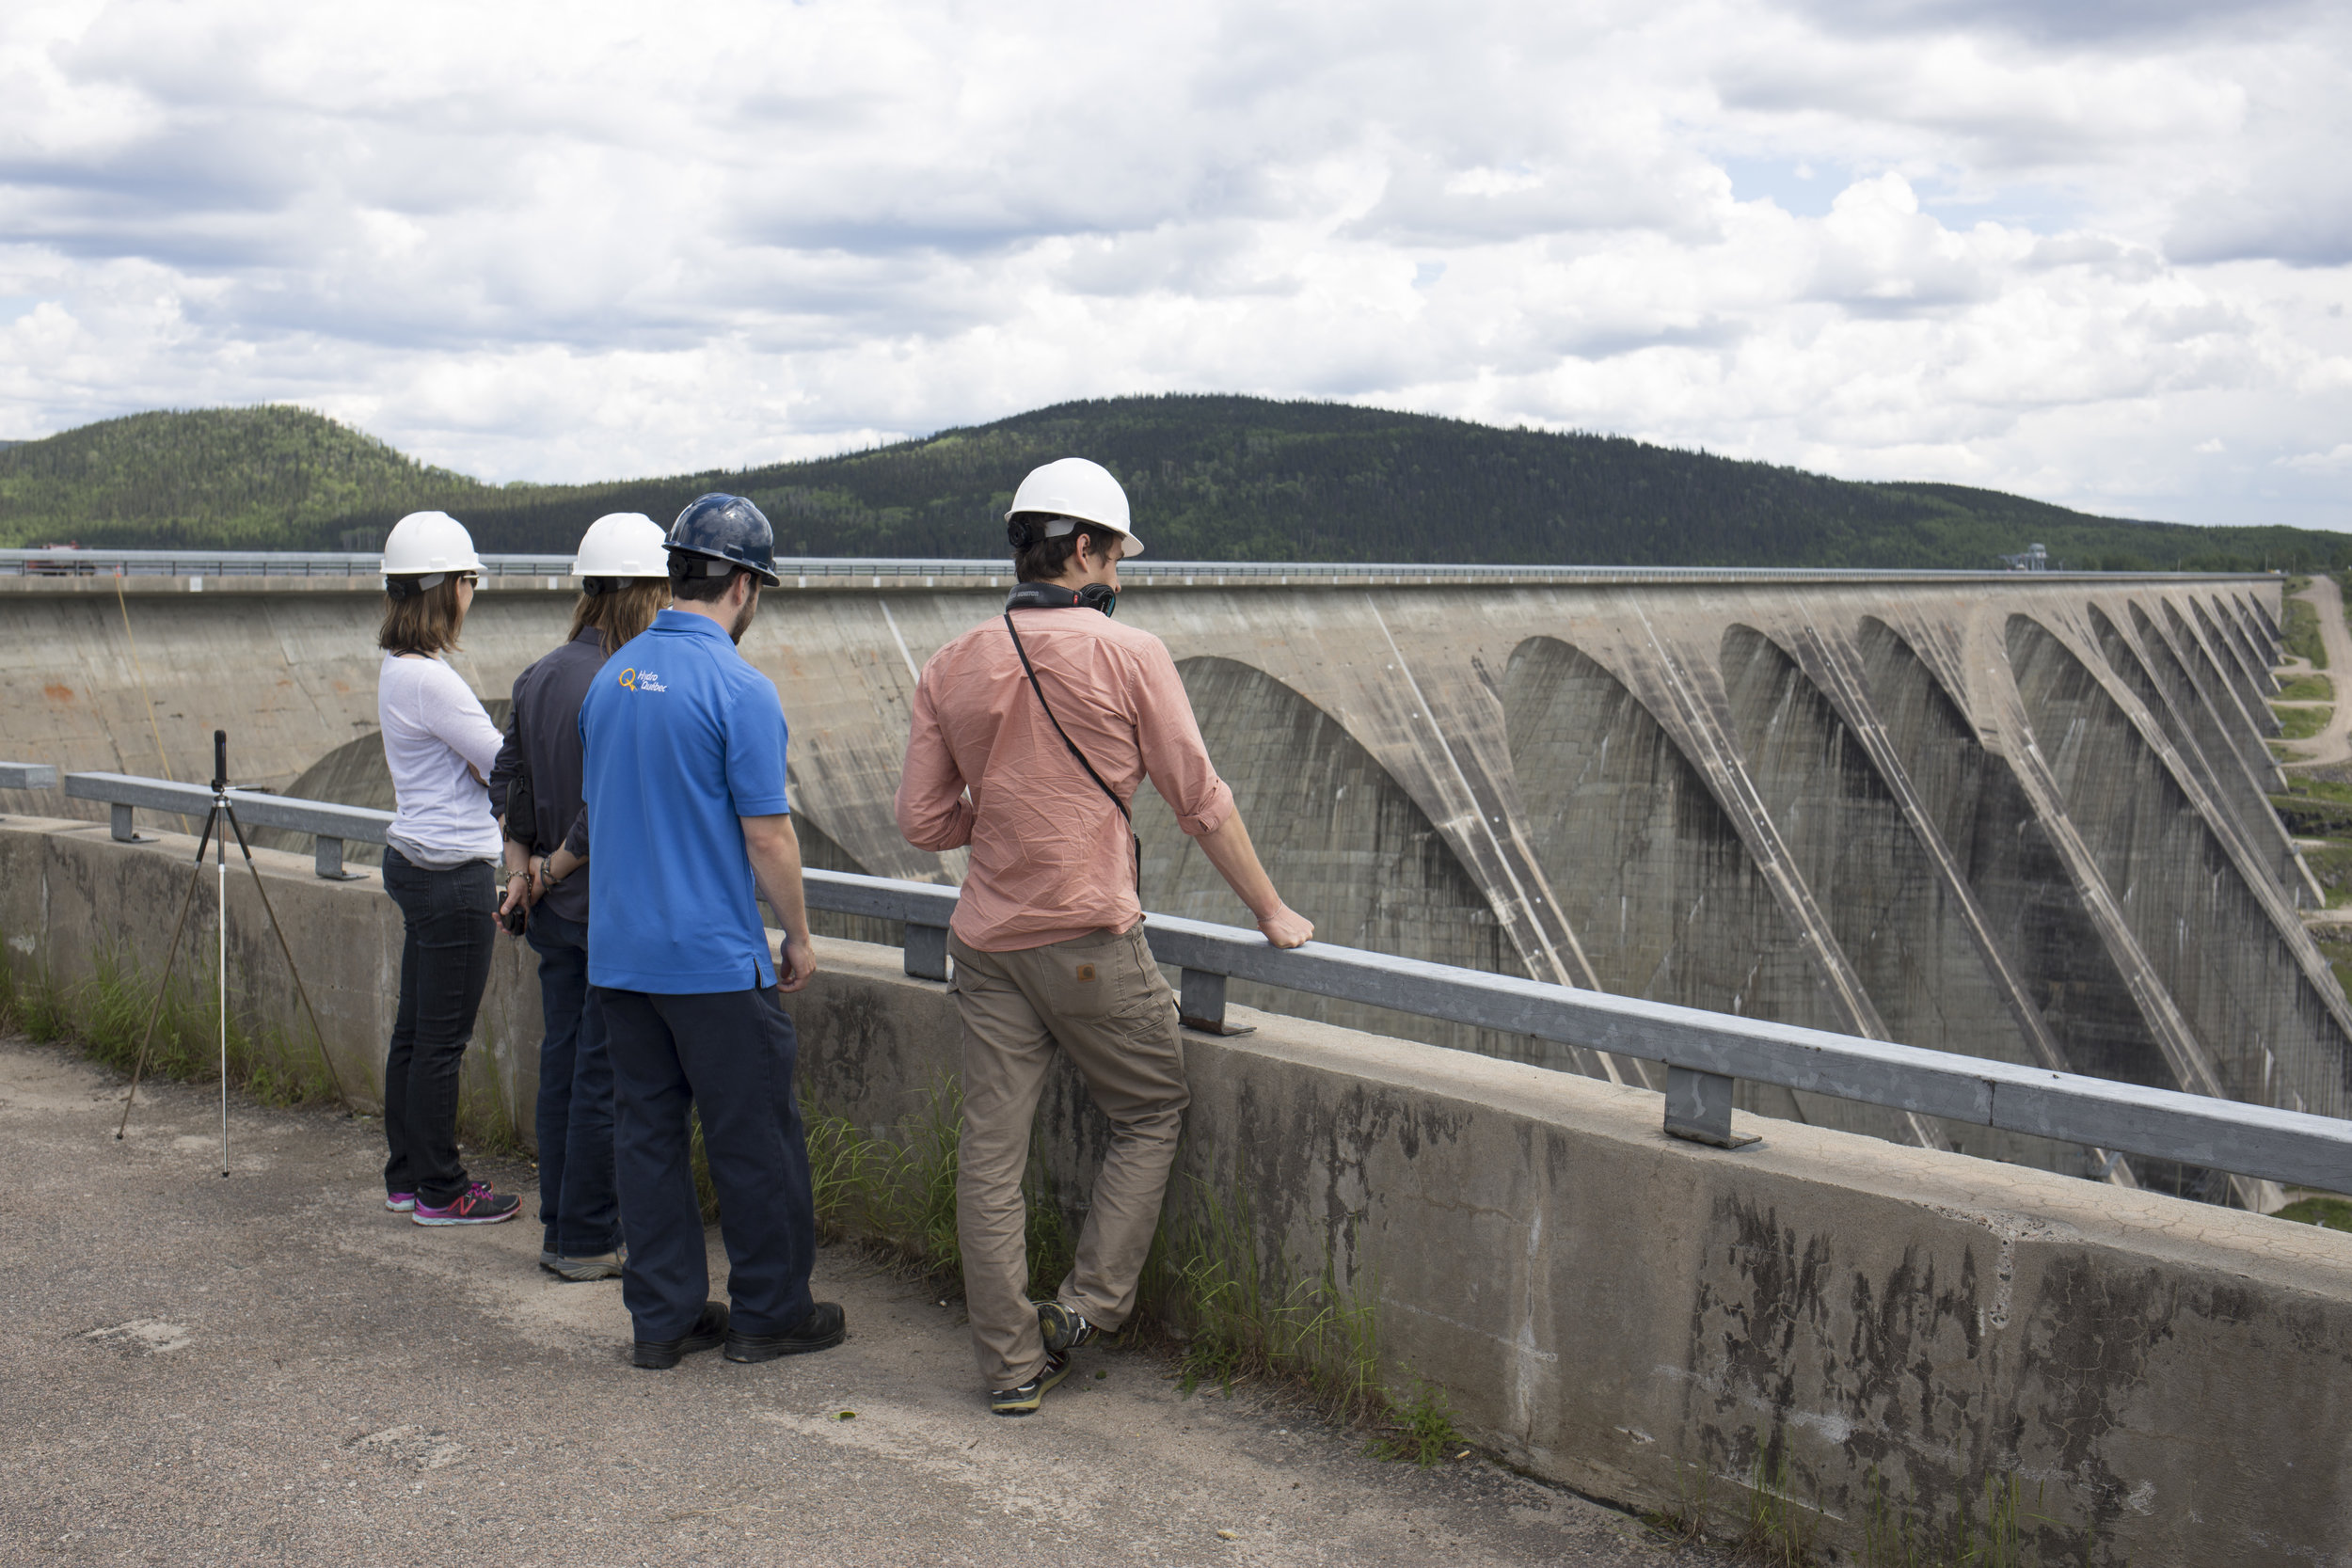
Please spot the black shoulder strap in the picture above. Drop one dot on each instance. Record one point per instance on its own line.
(1030, 669)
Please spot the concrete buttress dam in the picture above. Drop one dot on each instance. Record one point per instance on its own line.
(2018, 816)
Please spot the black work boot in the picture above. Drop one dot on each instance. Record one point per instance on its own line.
(710, 1331)
(824, 1327)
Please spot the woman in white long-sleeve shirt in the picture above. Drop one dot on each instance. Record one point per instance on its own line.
(437, 859)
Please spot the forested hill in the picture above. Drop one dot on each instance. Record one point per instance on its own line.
(260, 479)
(1211, 477)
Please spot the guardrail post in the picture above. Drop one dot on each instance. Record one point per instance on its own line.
(927, 951)
(326, 858)
(1200, 1004)
(125, 830)
(1698, 1107)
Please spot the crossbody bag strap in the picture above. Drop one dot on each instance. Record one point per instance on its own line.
(1030, 670)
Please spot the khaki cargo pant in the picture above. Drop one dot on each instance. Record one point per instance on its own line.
(1101, 999)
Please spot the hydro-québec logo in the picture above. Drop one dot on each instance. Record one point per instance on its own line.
(642, 680)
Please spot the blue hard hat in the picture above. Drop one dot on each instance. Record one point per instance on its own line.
(722, 529)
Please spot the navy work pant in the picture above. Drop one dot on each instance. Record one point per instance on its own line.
(448, 928)
(576, 1206)
(730, 1055)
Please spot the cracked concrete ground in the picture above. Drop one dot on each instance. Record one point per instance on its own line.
(270, 1369)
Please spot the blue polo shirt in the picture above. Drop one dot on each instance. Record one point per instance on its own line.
(680, 736)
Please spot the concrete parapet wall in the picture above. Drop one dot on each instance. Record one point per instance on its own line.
(73, 900)
(1607, 1306)
(2018, 814)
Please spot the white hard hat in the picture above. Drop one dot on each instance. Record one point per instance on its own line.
(428, 546)
(1073, 487)
(621, 545)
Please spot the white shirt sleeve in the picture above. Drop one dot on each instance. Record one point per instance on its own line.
(456, 718)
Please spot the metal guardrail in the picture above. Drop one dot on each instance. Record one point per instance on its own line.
(1704, 1053)
(27, 775)
(933, 571)
(331, 825)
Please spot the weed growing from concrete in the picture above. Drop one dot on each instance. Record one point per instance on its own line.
(1241, 1319)
(496, 1130)
(1686, 1522)
(1204, 1288)
(1051, 1251)
(1420, 1428)
(1779, 1530)
(105, 1016)
(39, 1005)
(899, 1193)
(1891, 1541)
(844, 1166)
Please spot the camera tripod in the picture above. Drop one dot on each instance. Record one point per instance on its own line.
(219, 823)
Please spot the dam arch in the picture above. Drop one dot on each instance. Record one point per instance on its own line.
(1345, 843)
(2255, 630)
(1651, 874)
(2222, 696)
(1858, 850)
(2230, 657)
(2266, 1034)
(2065, 972)
(2222, 778)
(2241, 637)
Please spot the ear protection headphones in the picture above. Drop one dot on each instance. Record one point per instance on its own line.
(1053, 595)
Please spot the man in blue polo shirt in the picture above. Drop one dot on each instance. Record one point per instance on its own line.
(688, 827)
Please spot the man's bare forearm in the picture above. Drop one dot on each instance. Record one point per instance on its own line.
(775, 855)
(1235, 858)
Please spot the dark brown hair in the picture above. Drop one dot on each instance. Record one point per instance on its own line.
(1042, 559)
(620, 612)
(423, 623)
(708, 590)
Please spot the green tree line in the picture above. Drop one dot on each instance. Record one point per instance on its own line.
(1211, 478)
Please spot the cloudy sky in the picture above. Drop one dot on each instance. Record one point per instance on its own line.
(2097, 251)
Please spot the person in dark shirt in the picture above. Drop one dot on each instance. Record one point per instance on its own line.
(624, 578)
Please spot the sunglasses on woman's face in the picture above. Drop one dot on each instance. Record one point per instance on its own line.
(471, 580)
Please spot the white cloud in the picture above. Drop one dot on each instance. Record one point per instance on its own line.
(2095, 252)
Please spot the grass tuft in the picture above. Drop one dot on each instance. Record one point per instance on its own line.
(1420, 1428)
(1778, 1532)
(1238, 1318)
(107, 1014)
(2301, 723)
(2334, 1213)
(898, 1193)
(2301, 633)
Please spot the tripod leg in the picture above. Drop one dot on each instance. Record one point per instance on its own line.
(163, 986)
(300, 989)
(220, 864)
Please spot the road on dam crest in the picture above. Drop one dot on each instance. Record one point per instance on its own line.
(271, 1369)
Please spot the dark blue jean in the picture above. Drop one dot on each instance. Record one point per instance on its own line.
(577, 1205)
(449, 927)
(729, 1056)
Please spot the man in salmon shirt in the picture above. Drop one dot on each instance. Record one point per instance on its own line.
(1031, 734)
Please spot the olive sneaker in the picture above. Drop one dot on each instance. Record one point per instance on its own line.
(589, 1266)
(1064, 1328)
(1025, 1399)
